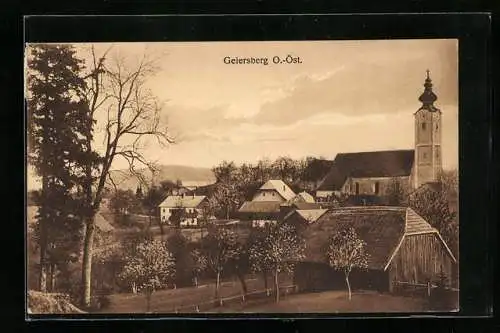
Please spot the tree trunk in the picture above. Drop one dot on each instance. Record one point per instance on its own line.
(241, 277)
(196, 281)
(87, 261)
(277, 286)
(50, 282)
(217, 281)
(227, 213)
(148, 300)
(264, 273)
(348, 285)
(134, 288)
(160, 224)
(42, 278)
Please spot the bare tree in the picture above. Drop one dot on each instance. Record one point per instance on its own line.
(118, 94)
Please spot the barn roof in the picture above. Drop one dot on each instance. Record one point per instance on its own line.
(389, 163)
(311, 215)
(382, 228)
(260, 207)
(304, 197)
(185, 201)
(306, 205)
(279, 186)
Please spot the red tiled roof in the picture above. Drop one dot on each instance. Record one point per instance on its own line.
(390, 163)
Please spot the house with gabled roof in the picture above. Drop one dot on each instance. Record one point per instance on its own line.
(265, 205)
(191, 205)
(402, 248)
(371, 173)
(303, 197)
(302, 218)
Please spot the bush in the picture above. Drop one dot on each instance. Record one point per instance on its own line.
(46, 303)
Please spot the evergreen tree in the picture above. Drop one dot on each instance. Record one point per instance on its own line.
(58, 117)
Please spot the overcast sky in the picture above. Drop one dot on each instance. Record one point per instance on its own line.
(345, 96)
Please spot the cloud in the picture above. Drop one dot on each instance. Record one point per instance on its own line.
(360, 88)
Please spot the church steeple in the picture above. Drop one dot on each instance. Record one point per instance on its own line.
(428, 97)
(427, 161)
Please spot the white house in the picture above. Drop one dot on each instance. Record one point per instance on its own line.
(274, 190)
(191, 204)
(265, 205)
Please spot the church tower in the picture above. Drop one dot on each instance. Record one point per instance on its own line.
(427, 162)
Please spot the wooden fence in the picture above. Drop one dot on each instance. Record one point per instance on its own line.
(241, 299)
(418, 288)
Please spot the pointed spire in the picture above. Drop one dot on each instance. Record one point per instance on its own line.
(428, 97)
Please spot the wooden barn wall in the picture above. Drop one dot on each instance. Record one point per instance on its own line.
(420, 258)
(312, 277)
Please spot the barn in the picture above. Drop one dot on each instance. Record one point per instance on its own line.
(402, 248)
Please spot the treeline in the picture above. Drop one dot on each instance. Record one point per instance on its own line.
(234, 184)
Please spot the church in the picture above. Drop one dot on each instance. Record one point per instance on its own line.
(371, 173)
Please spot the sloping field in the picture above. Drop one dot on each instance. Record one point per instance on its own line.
(166, 301)
(332, 302)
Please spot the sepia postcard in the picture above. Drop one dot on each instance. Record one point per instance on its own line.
(242, 177)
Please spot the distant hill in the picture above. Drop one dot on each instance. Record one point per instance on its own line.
(189, 176)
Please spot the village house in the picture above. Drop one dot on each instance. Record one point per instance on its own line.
(303, 197)
(402, 248)
(264, 208)
(371, 173)
(191, 206)
(300, 219)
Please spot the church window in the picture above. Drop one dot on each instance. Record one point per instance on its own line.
(357, 188)
(424, 125)
(437, 153)
(376, 187)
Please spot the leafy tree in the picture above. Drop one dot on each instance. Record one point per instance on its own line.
(286, 169)
(138, 193)
(57, 119)
(240, 266)
(122, 202)
(347, 251)
(220, 246)
(225, 172)
(226, 199)
(177, 215)
(278, 252)
(178, 246)
(254, 242)
(167, 187)
(151, 268)
(433, 205)
(199, 264)
(153, 197)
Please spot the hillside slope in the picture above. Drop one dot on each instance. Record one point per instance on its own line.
(124, 180)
